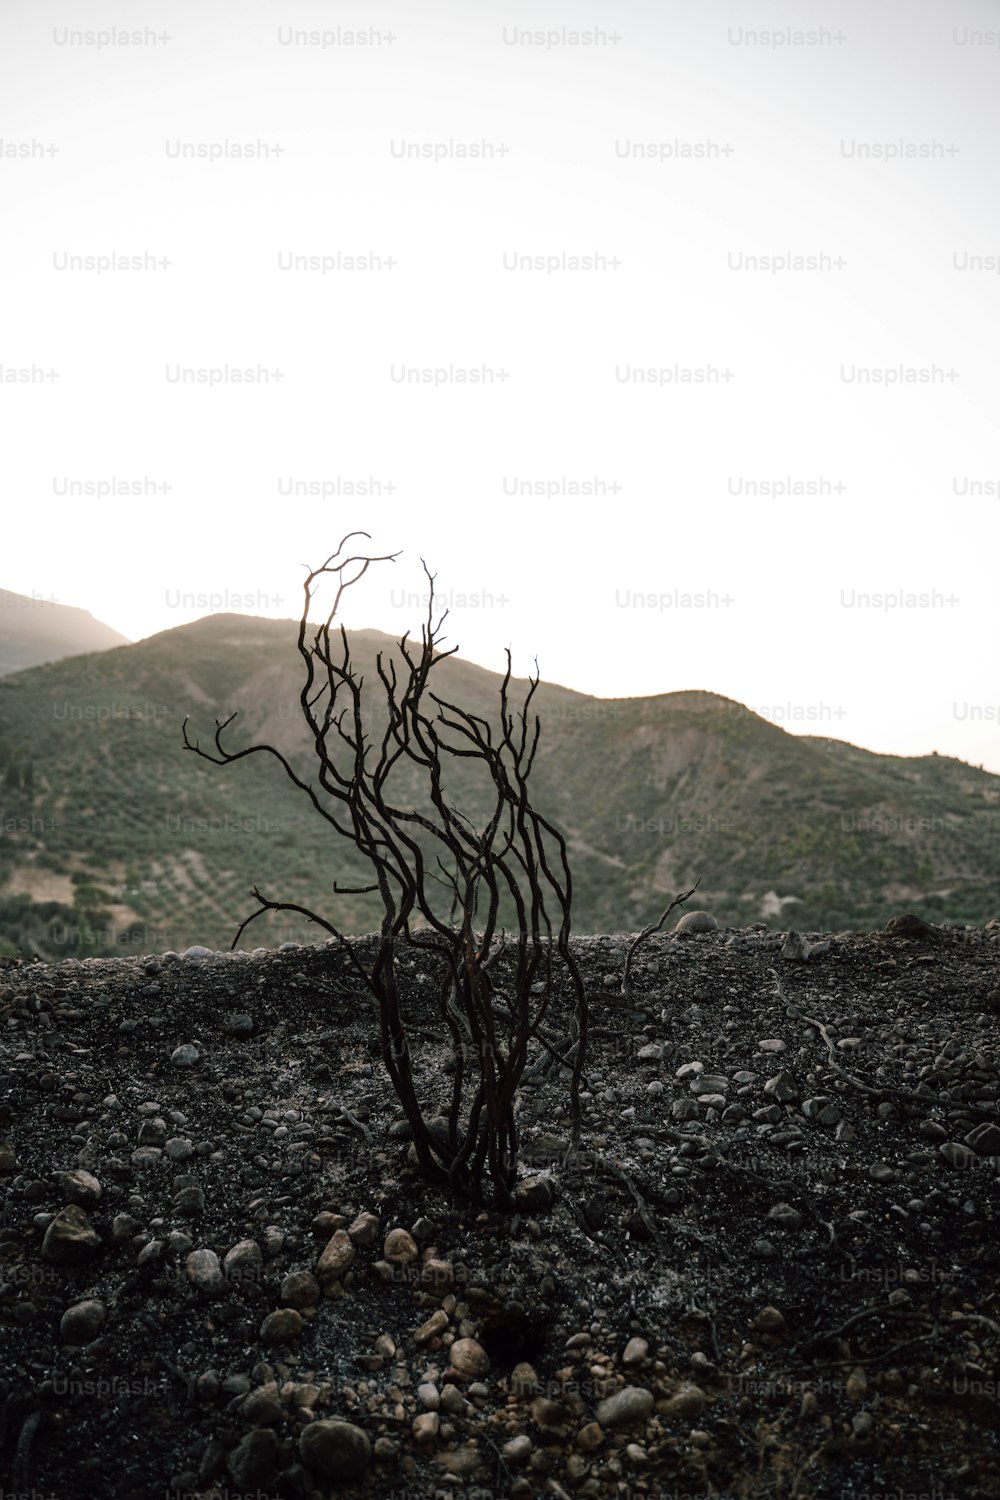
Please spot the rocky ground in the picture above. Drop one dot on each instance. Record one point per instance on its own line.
(771, 1269)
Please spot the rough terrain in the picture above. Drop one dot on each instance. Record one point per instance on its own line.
(771, 1269)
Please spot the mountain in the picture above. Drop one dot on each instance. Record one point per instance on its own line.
(37, 630)
(114, 838)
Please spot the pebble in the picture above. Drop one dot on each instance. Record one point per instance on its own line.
(82, 1322)
(252, 1462)
(263, 1405)
(335, 1450)
(205, 1272)
(632, 1404)
(336, 1258)
(429, 1396)
(697, 921)
(687, 1401)
(184, 1056)
(590, 1437)
(282, 1326)
(769, 1320)
(771, 1044)
(80, 1187)
(399, 1247)
(469, 1357)
(244, 1263)
(985, 1139)
(784, 1216)
(300, 1289)
(517, 1449)
(70, 1237)
(364, 1231)
(636, 1351)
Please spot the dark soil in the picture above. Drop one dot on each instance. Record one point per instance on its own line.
(803, 1278)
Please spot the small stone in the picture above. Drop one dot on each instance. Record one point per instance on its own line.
(550, 1416)
(80, 1187)
(909, 925)
(205, 1272)
(771, 1044)
(425, 1426)
(184, 1056)
(863, 1424)
(517, 1449)
(83, 1321)
(783, 1088)
(857, 1384)
(795, 949)
(770, 1321)
(590, 1437)
(399, 1247)
(364, 1231)
(334, 1449)
(635, 1351)
(469, 1358)
(244, 1262)
(300, 1289)
(70, 1238)
(263, 1405)
(240, 1024)
(196, 952)
(429, 1396)
(523, 1380)
(435, 1324)
(253, 1461)
(785, 1216)
(535, 1195)
(179, 1148)
(985, 1139)
(336, 1258)
(282, 1326)
(697, 921)
(956, 1155)
(632, 1404)
(687, 1401)
(880, 1171)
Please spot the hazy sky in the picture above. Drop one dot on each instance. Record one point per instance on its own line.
(539, 205)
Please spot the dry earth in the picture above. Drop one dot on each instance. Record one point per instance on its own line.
(771, 1269)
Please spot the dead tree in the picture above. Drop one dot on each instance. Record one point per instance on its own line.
(443, 881)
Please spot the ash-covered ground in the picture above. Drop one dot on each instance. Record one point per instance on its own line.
(770, 1269)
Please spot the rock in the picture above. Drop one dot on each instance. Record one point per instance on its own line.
(70, 1237)
(189, 1201)
(300, 1289)
(435, 1324)
(771, 1044)
(80, 1187)
(335, 1450)
(429, 1396)
(83, 1321)
(697, 921)
(785, 1216)
(253, 1461)
(437, 1276)
(631, 1404)
(590, 1437)
(205, 1272)
(469, 1358)
(523, 1379)
(240, 1024)
(769, 1321)
(197, 952)
(985, 1139)
(263, 1405)
(909, 925)
(399, 1247)
(783, 1088)
(336, 1258)
(956, 1155)
(687, 1401)
(184, 1056)
(636, 1351)
(282, 1326)
(535, 1195)
(364, 1231)
(244, 1262)
(550, 1416)
(425, 1426)
(8, 1158)
(517, 1449)
(795, 949)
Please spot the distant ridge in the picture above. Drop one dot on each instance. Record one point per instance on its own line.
(34, 631)
(104, 815)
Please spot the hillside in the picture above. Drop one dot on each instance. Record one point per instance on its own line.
(33, 631)
(109, 826)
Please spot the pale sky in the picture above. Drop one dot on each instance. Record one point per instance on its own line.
(458, 149)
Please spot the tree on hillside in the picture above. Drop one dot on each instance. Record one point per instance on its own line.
(442, 880)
